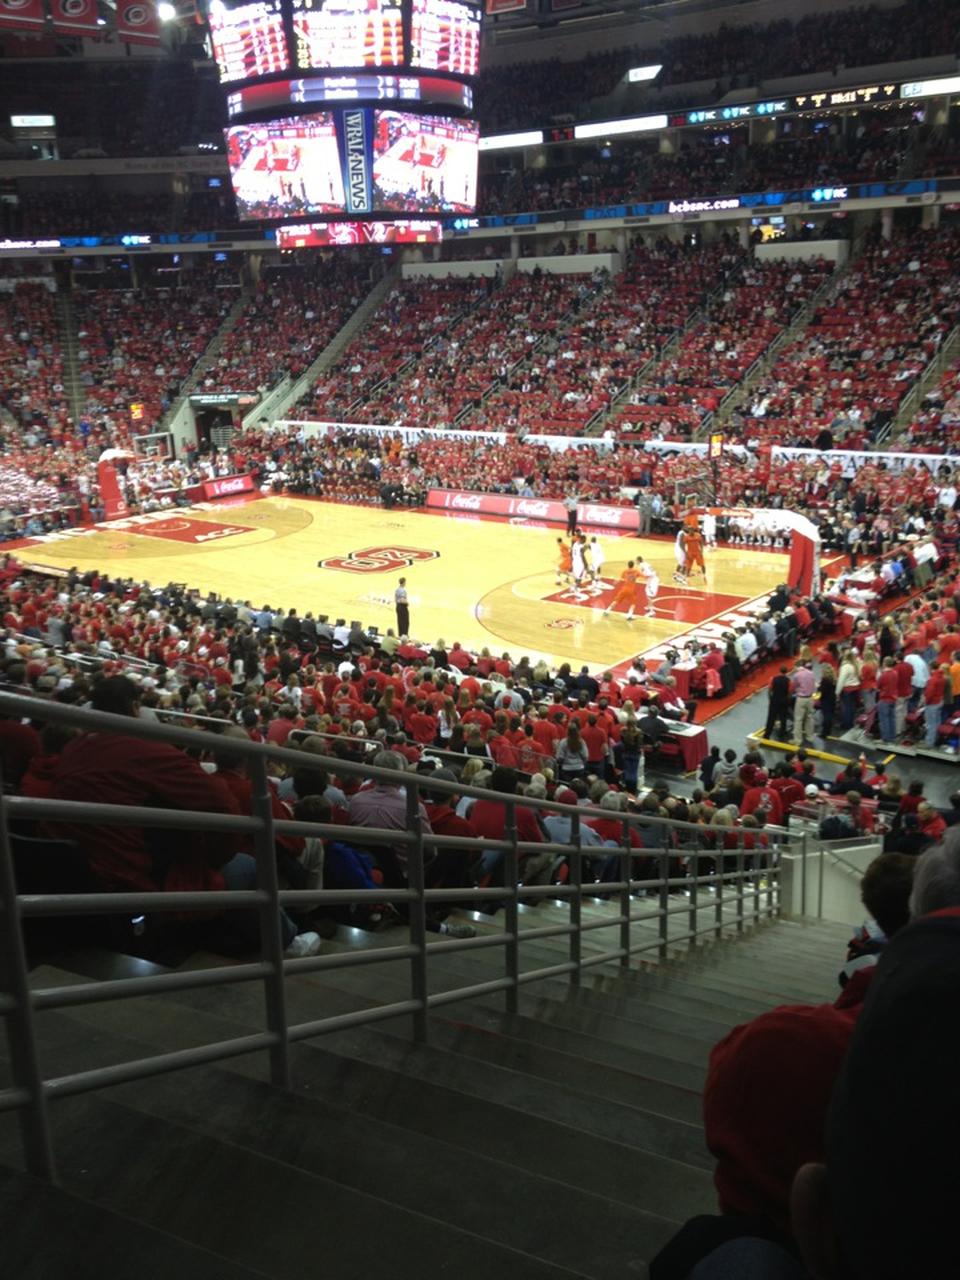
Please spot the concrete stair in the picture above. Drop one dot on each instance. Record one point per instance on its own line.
(563, 1140)
(229, 322)
(335, 348)
(70, 345)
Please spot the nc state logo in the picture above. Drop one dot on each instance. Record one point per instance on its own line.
(378, 559)
(564, 624)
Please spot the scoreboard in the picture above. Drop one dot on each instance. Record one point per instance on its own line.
(445, 36)
(348, 33)
(350, 109)
(253, 39)
(248, 40)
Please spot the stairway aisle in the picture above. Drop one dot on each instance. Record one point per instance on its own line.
(564, 1140)
(70, 346)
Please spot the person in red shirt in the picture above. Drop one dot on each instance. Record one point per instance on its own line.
(933, 695)
(904, 689)
(888, 692)
(489, 818)
(283, 724)
(448, 868)
(547, 734)
(596, 740)
(788, 788)
(477, 716)
(423, 727)
(762, 796)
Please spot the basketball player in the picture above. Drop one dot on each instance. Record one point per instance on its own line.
(680, 552)
(651, 584)
(579, 566)
(627, 591)
(597, 559)
(710, 529)
(564, 563)
(693, 554)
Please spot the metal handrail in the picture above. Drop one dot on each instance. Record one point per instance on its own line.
(30, 1093)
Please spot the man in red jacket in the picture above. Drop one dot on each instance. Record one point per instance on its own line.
(489, 818)
(112, 768)
(762, 796)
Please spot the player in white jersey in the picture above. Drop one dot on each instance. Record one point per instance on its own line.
(651, 582)
(579, 567)
(597, 560)
(679, 550)
(710, 529)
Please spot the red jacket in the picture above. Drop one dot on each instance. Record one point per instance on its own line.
(489, 818)
(888, 685)
(112, 769)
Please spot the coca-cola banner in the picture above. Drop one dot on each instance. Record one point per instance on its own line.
(226, 486)
(503, 504)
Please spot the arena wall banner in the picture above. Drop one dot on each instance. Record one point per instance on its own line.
(410, 435)
(504, 504)
(852, 459)
(22, 15)
(137, 22)
(226, 486)
(75, 17)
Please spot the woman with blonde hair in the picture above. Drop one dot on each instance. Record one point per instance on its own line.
(848, 687)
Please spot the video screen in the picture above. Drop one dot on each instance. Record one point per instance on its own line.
(286, 168)
(248, 39)
(323, 234)
(319, 90)
(424, 164)
(348, 33)
(445, 36)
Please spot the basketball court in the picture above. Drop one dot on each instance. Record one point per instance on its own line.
(480, 581)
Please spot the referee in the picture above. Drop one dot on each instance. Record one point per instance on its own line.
(401, 600)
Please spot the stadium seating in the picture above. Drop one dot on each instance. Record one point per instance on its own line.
(418, 314)
(757, 303)
(31, 362)
(846, 374)
(141, 345)
(290, 319)
(935, 427)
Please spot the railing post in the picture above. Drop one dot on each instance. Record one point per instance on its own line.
(718, 888)
(821, 854)
(576, 902)
(34, 1119)
(511, 878)
(803, 874)
(772, 862)
(418, 910)
(271, 934)
(663, 922)
(692, 913)
(626, 863)
(740, 874)
(756, 884)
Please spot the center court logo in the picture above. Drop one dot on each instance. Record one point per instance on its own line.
(378, 559)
